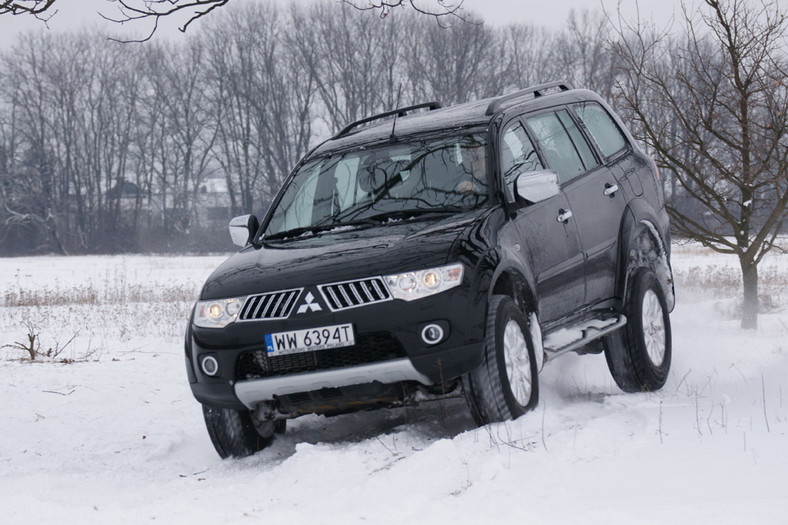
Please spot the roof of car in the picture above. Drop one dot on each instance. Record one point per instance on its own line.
(426, 118)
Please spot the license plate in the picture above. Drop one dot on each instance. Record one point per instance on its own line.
(309, 340)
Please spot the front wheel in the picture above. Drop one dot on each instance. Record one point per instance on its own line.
(506, 384)
(235, 433)
(639, 354)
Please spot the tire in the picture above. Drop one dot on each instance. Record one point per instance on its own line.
(639, 354)
(234, 433)
(506, 384)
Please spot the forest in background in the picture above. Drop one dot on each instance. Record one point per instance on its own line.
(109, 147)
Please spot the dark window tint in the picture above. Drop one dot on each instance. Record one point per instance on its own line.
(589, 160)
(517, 154)
(556, 146)
(602, 128)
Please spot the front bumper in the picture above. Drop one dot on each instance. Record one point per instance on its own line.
(387, 335)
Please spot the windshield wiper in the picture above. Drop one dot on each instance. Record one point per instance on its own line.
(372, 220)
(318, 228)
(297, 232)
(412, 213)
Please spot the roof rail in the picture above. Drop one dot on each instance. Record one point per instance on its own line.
(536, 91)
(400, 112)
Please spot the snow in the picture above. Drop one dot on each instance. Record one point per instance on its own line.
(113, 435)
(566, 336)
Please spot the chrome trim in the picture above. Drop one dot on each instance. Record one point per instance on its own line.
(335, 293)
(254, 391)
(270, 306)
(589, 333)
(239, 230)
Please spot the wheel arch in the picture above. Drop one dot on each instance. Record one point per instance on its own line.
(513, 283)
(643, 244)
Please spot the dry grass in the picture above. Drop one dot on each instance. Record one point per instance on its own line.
(111, 308)
(725, 278)
(95, 296)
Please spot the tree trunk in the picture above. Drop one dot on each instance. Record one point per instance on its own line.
(749, 273)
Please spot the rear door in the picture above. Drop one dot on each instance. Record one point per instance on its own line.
(600, 197)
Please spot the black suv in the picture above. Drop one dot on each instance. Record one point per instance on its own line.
(433, 252)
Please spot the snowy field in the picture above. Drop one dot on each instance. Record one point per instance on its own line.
(105, 429)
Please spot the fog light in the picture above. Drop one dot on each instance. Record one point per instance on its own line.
(210, 366)
(432, 334)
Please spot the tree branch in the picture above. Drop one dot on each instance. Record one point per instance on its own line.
(38, 8)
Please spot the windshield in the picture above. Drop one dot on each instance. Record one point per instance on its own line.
(388, 182)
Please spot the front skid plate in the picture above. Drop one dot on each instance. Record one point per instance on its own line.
(254, 391)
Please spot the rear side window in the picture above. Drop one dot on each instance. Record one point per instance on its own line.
(556, 146)
(602, 128)
(577, 137)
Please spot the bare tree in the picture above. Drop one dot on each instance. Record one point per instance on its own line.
(454, 64)
(31, 195)
(712, 104)
(106, 147)
(187, 11)
(41, 9)
(582, 52)
(435, 9)
(262, 105)
(350, 57)
(529, 56)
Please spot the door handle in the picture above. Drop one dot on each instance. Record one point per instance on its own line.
(610, 190)
(564, 215)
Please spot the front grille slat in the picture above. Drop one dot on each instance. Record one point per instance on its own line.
(261, 302)
(369, 348)
(367, 296)
(379, 290)
(352, 287)
(345, 296)
(247, 307)
(272, 305)
(276, 306)
(350, 294)
(334, 302)
(288, 301)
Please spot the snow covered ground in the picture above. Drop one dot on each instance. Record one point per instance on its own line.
(107, 431)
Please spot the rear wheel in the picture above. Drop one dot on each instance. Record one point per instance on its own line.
(639, 354)
(235, 433)
(505, 385)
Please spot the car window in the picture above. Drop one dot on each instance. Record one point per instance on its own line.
(586, 154)
(602, 128)
(518, 154)
(300, 210)
(557, 147)
(440, 173)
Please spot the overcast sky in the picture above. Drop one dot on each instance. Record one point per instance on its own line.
(73, 14)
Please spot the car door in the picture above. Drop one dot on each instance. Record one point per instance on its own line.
(598, 204)
(555, 254)
(600, 198)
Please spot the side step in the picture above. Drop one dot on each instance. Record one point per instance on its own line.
(568, 338)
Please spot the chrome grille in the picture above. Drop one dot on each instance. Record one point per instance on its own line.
(350, 294)
(273, 305)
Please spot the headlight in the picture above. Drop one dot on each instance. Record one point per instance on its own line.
(217, 313)
(415, 285)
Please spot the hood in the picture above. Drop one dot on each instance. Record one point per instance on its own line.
(338, 256)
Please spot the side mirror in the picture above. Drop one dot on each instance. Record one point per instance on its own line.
(243, 228)
(536, 186)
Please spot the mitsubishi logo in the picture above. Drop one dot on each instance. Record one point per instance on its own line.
(309, 304)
